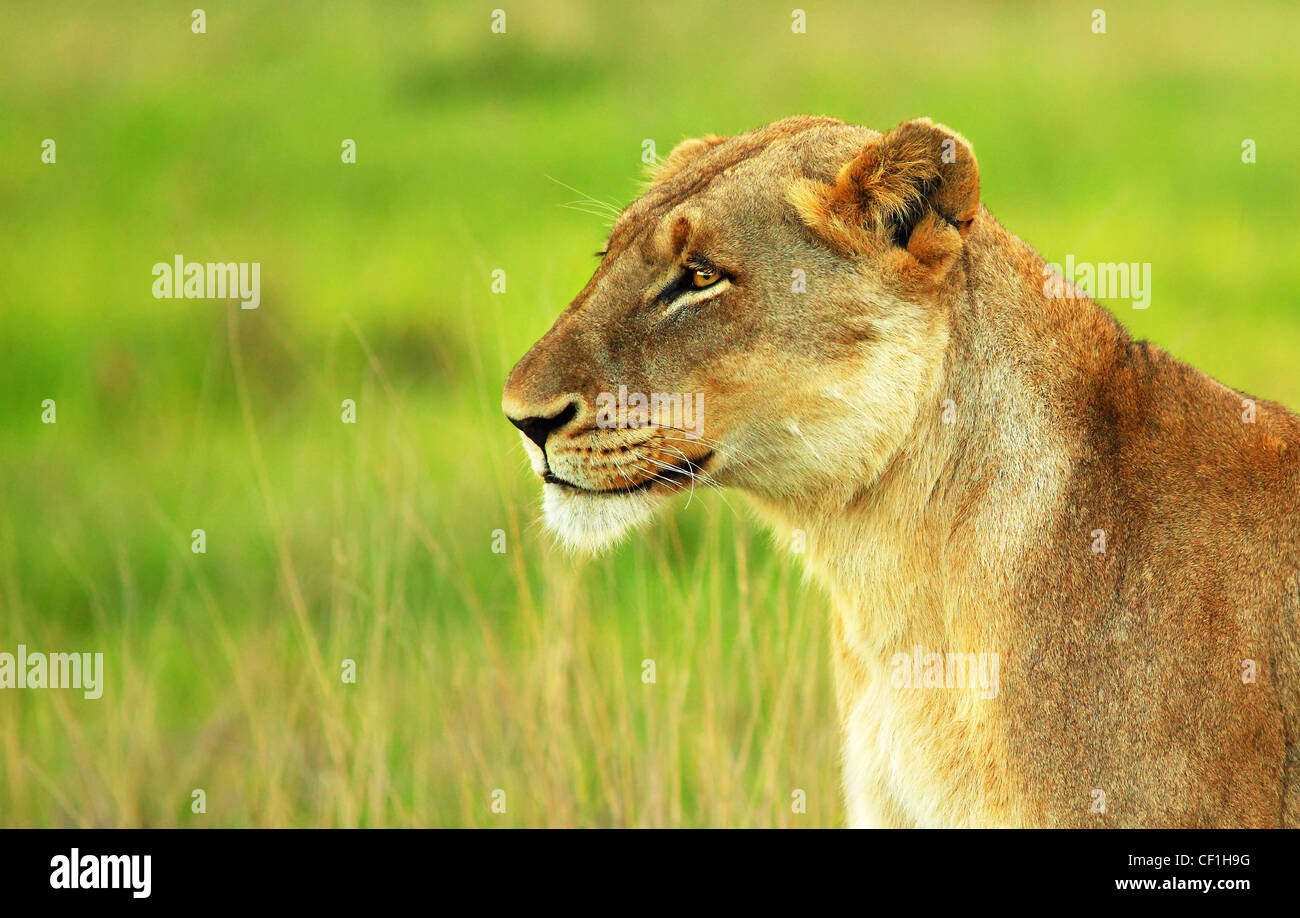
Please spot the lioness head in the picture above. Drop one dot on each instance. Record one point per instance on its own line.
(770, 315)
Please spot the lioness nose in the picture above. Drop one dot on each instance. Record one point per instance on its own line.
(538, 429)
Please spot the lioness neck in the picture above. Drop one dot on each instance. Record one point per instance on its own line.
(925, 554)
(978, 475)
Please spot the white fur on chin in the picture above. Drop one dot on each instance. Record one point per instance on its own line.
(593, 523)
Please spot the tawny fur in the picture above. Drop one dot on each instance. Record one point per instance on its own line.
(950, 439)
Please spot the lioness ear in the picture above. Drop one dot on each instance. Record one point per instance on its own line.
(897, 187)
(682, 155)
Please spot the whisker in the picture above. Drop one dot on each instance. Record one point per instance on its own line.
(594, 200)
(588, 207)
(694, 472)
(727, 450)
(719, 447)
(690, 473)
(794, 429)
(705, 478)
(625, 475)
(730, 452)
(676, 486)
(836, 392)
(607, 218)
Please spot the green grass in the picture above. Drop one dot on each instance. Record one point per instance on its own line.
(477, 671)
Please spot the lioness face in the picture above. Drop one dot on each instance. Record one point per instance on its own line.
(754, 323)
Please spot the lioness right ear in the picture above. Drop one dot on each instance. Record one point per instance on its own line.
(682, 155)
(896, 186)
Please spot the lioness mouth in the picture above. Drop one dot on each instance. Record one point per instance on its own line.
(674, 475)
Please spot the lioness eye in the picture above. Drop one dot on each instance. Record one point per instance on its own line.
(704, 277)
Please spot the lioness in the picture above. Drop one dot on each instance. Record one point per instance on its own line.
(981, 470)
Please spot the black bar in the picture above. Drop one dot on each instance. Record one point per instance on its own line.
(621, 870)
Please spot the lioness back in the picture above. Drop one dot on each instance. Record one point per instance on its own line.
(1164, 666)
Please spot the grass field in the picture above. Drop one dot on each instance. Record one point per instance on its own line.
(479, 671)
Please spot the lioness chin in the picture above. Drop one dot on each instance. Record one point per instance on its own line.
(980, 470)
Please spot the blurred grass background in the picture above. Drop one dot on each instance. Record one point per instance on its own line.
(477, 671)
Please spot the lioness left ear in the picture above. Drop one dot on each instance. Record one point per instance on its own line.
(897, 186)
